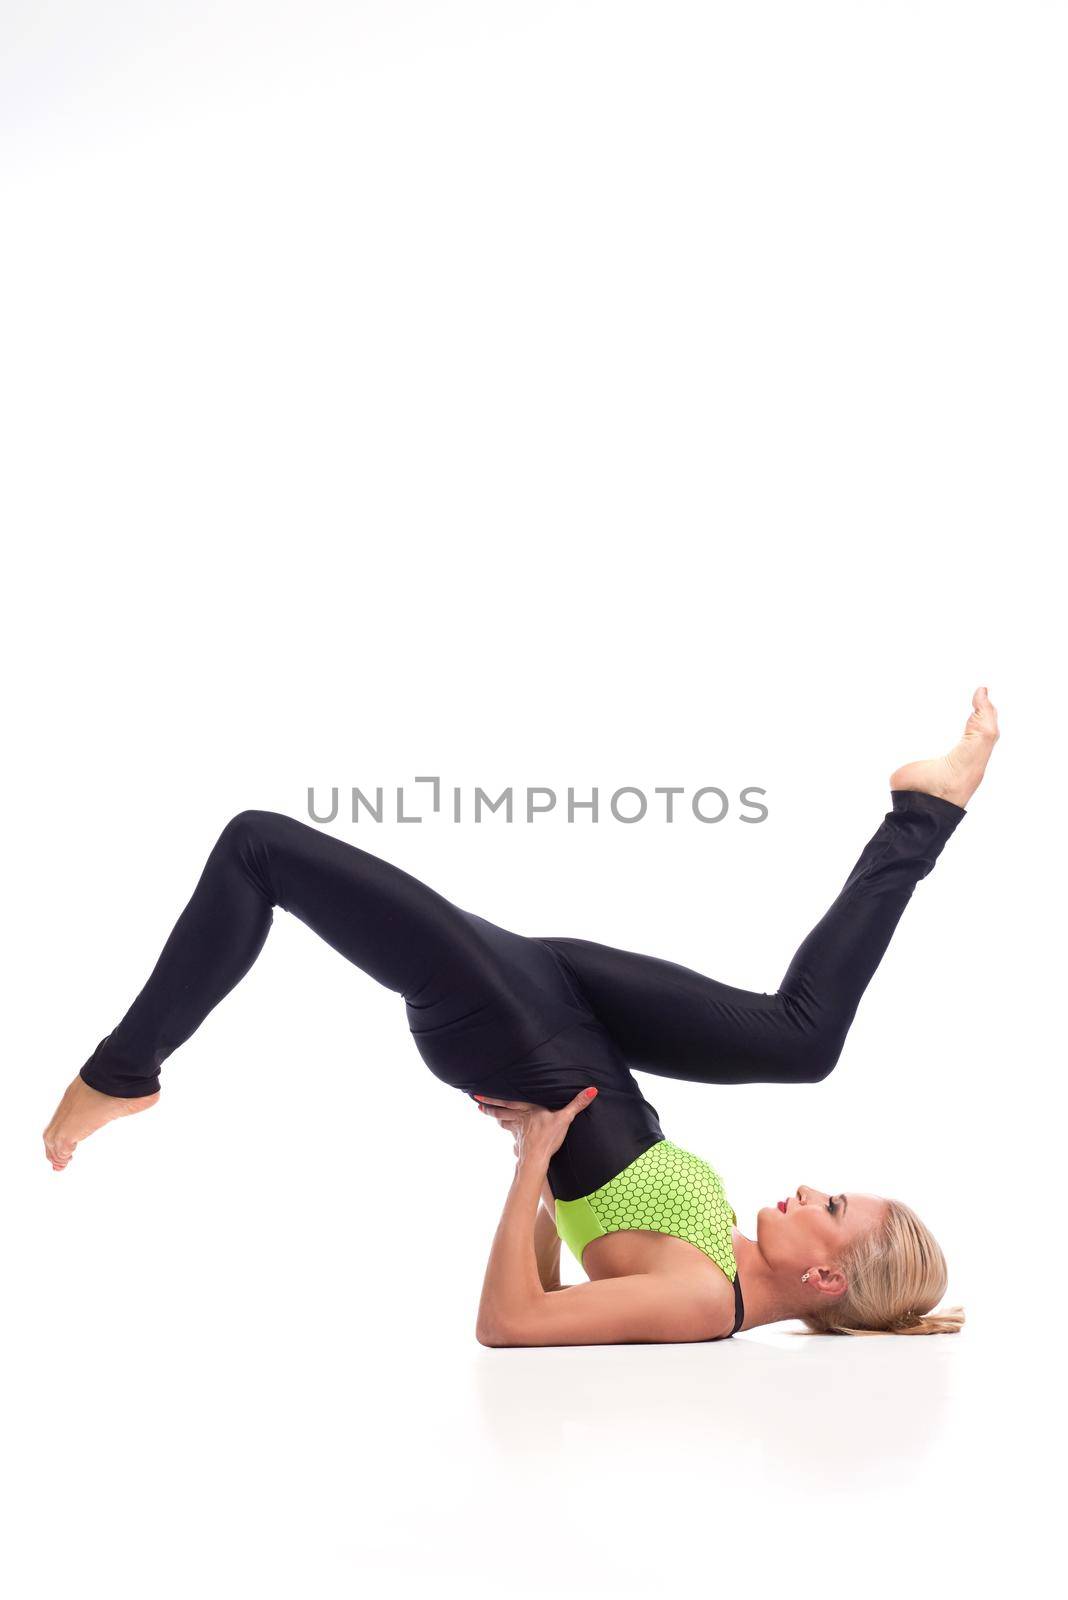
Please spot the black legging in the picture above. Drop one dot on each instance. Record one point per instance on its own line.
(495, 1012)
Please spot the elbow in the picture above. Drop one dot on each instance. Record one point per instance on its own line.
(505, 1332)
(488, 1327)
(491, 1335)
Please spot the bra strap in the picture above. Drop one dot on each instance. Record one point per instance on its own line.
(739, 1304)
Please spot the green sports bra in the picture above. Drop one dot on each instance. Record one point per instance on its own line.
(664, 1190)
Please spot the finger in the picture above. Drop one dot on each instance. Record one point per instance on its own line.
(508, 1120)
(584, 1098)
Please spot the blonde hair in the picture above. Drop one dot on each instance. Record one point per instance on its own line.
(896, 1273)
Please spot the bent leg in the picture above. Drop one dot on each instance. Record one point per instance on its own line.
(402, 933)
(668, 1019)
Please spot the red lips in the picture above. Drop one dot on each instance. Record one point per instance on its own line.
(782, 1205)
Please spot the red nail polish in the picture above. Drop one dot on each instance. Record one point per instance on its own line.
(590, 1093)
(478, 1097)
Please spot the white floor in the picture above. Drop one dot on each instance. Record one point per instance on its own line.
(161, 1451)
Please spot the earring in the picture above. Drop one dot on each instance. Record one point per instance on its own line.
(804, 1277)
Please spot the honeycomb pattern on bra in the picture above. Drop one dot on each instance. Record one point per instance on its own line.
(670, 1190)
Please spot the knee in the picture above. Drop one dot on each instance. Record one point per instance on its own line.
(819, 1059)
(813, 1040)
(814, 1071)
(249, 825)
(245, 849)
(248, 834)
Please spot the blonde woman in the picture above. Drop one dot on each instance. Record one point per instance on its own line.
(544, 1035)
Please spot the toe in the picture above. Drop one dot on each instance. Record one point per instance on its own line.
(984, 717)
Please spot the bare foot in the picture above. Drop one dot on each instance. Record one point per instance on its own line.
(81, 1112)
(956, 776)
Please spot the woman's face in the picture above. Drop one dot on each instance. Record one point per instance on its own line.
(809, 1230)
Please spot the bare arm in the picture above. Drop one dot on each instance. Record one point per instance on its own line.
(642, 1308)
(547, 1245)
(512, 1287)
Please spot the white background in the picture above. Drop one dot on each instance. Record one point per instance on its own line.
(566, 394)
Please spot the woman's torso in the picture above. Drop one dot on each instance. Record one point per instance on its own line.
(666, 1213)
(619, 1255)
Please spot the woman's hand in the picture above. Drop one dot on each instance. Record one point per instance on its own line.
(538, 1133)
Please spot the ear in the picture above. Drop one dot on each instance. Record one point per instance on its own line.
(829, 1281)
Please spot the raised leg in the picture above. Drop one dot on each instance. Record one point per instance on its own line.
(476, 996)
(673, 1021)
(396, 929)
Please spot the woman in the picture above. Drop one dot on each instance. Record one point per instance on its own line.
(542, 1033)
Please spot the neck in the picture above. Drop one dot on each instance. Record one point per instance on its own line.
(763, 1294)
